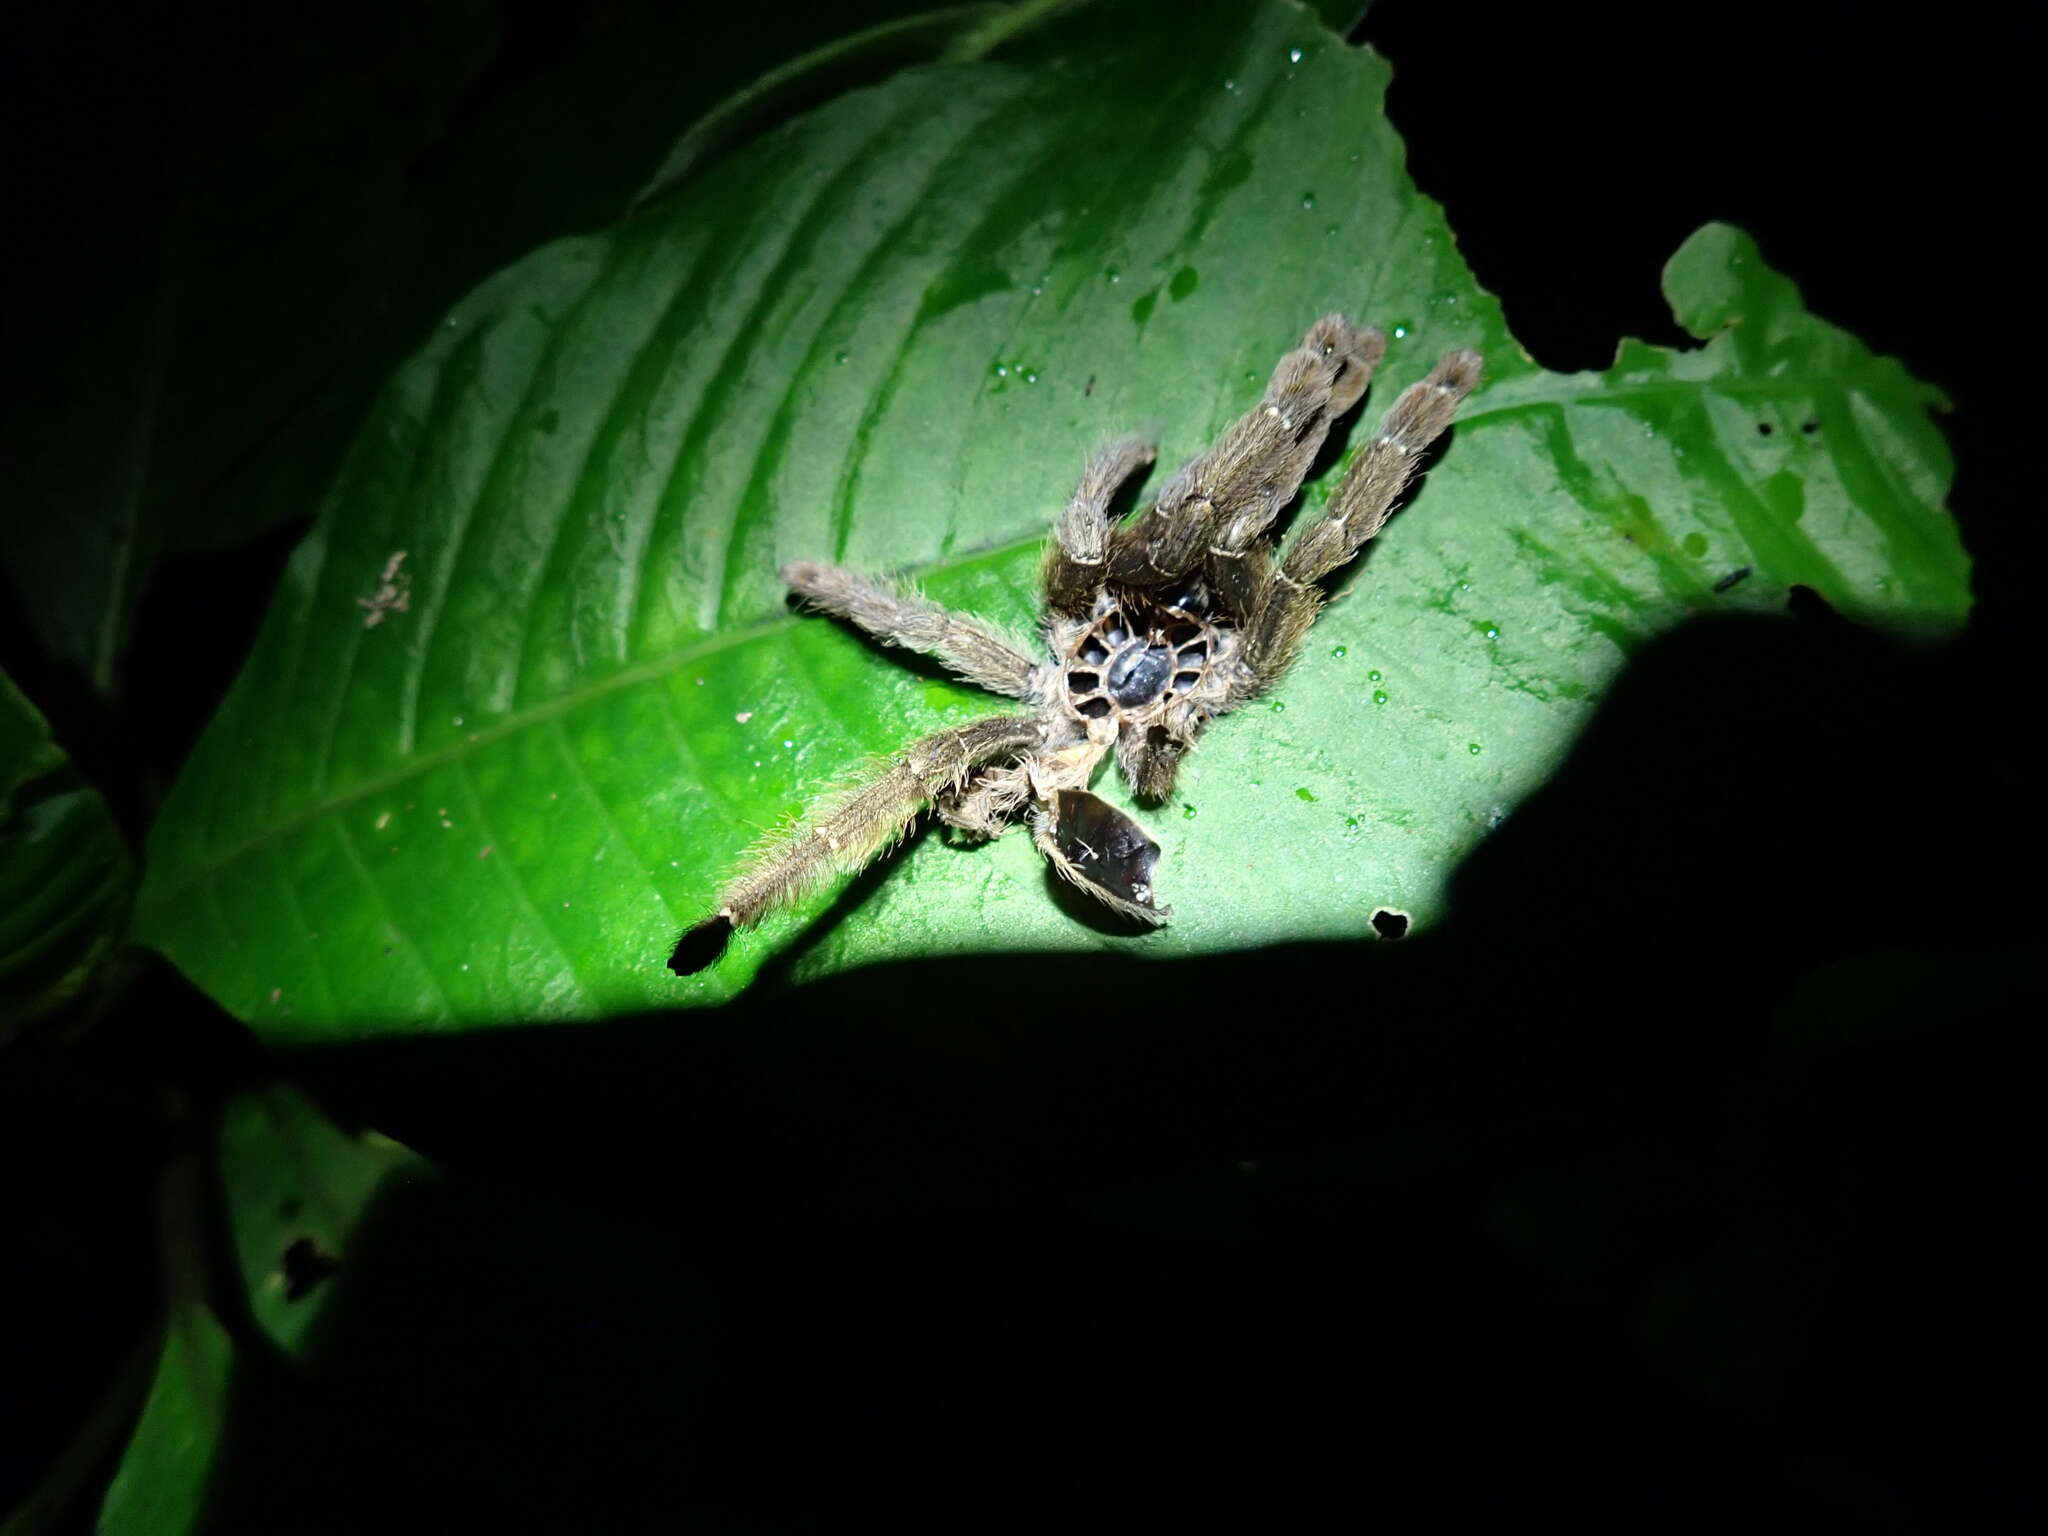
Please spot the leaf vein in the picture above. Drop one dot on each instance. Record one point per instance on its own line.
(391, 926)
(508, 873)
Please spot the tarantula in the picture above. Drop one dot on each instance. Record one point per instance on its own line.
(1154, 628)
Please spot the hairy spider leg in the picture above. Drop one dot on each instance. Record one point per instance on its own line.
(1149, 757)
(1355, 513)
(903, 618)
(1212, 514)
(850, 826)
(1227, 496)
(1074, 560)
(984, 807)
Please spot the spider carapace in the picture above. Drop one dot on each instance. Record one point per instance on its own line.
(1151, 629)
(1141, 653)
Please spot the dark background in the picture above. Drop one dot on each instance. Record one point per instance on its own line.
(1673, 1182)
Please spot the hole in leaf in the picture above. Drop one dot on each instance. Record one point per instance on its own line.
(1763, 429)
(304, 1265)
(1390, 924)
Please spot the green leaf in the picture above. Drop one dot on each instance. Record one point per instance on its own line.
(193, 395)
(183, 336)
(953, 32)
(499, 782)
(374, 1325)
(65, 874)
(295, 1189)
(160, 1488)
(565, 151)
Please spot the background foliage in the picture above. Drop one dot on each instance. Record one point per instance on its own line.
(886, 334)
(1593, 1193)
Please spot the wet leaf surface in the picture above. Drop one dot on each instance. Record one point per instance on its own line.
(531, 686)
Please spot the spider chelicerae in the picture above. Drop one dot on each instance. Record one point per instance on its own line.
(1154, 627)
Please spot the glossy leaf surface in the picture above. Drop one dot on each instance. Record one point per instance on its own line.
(531, 684)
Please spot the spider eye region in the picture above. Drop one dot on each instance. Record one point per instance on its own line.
(1138, 657)
(1137, 675)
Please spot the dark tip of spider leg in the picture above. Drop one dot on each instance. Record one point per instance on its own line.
(701, 947)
